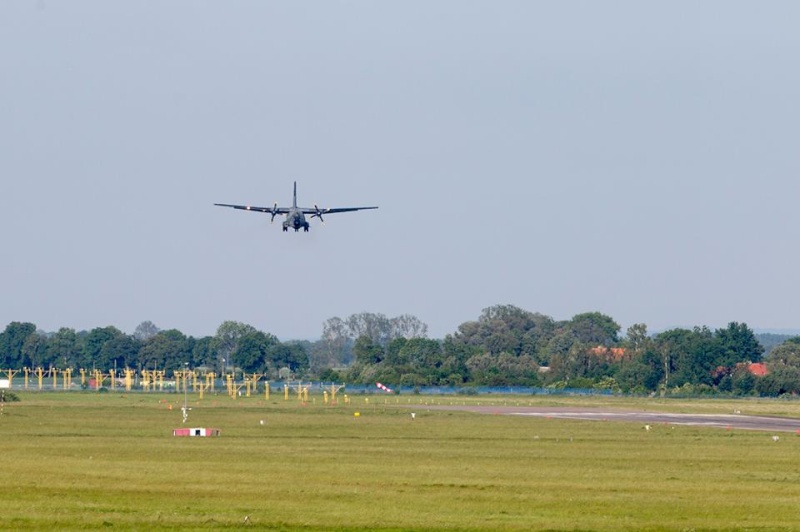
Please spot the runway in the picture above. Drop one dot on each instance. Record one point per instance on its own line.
(724, 421)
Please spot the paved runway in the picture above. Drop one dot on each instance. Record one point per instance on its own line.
(733, 421)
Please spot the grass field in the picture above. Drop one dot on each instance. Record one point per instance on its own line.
(83, 460)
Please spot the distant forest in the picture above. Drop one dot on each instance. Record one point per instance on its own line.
(505, 345)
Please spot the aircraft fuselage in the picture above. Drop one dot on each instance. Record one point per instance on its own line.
(296, 220)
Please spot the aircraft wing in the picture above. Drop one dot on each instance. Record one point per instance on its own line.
(268, 210)
(313, 210)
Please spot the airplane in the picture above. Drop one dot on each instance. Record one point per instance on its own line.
(295, 216)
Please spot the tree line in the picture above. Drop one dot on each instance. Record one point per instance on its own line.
(505, 345)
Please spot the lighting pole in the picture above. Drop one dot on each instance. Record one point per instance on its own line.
(185, 390)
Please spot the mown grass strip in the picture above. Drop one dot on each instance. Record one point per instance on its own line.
(83, 461)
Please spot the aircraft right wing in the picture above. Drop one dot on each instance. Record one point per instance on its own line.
(268, 210)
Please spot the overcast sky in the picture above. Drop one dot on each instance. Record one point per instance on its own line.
(640, 159)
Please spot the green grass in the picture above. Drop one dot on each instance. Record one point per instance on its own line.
(88, 460)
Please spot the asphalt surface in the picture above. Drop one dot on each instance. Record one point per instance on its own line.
(724, 421)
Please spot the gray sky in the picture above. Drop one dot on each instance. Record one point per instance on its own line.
(634, 158)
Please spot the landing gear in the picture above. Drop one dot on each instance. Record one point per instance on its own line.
(305, 228)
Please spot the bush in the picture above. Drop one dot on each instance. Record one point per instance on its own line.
(9, 397)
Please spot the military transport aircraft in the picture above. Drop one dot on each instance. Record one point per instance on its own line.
(295, 216)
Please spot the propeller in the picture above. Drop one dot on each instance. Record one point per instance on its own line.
(317, 214)
(274, 212)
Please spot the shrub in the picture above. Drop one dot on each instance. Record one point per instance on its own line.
(9, 397)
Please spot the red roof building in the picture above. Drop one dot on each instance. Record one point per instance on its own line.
(758, 369)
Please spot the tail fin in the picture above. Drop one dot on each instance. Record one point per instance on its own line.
(294, 201)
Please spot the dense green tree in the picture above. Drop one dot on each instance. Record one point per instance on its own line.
(737, 344)
(595, 329)
(12, 340)
(203, 354)
(367, 351)
(689, 356)
(578, 362)
(64, 349)
(743, 382)
(226, 342)
(252, 349)
(636, 340)
(119, 352)
(168, 350)
(291, 355)
(560, 344)
(508, 329)
(95, 353)
(785, 355)
(641, 372)
(779, 381)
(423, 358)
(34, 351)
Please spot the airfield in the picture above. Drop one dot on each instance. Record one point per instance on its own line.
(725, 421)
(88, 460)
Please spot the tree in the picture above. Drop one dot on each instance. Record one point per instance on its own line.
(34, 350)
(338, 344)
(641, 372)
(119, 352)
(12, 340)
(785, 355)
(226, 341)
(376, 327)
(595, 329)
(508, 329)
(407, 326)
(94, 354)
(421, 358)
(737, 344)
(64, 349)
(367, 351)
(636, 339)
(251, 352)
(291, 355)
(689, 356)
(145, 330)
(203, 353)
(169, 349)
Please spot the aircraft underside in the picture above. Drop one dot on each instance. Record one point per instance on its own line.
(296, 223)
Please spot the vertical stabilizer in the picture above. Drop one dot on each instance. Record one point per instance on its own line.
(294, 200)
